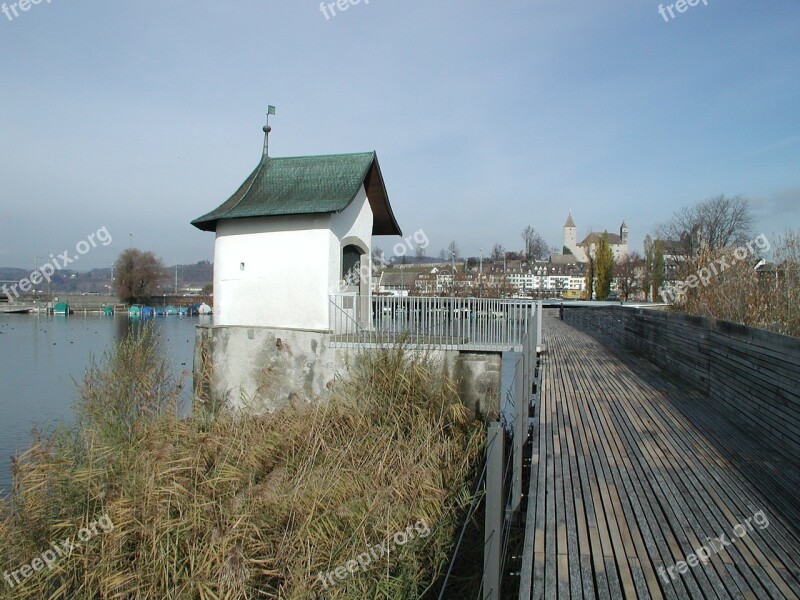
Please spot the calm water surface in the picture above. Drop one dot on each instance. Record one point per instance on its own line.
(40, 355)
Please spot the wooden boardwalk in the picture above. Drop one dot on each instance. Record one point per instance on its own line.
(632, 473)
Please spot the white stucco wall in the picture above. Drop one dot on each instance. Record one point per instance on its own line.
(284, 282)
(353, 222)
(291, 266)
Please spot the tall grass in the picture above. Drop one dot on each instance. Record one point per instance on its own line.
(244, 505)
(740, 294)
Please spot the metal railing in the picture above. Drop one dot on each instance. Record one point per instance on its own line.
(458, 323)
(501, 479)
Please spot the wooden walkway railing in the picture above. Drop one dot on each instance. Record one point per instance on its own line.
(632, 476)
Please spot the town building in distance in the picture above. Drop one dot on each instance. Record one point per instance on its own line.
(561, 275)
(582, 250)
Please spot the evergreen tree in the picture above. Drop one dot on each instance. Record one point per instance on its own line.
(658, 268)
(590, 279)
(649, 261)
(604, 268)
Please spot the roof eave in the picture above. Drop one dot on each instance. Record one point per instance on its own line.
(383, 219)
(205, 224)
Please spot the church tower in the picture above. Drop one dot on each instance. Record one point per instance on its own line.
(570, 234)
(623, 232)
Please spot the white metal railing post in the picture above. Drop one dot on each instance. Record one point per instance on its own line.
(520, 431)
(493, 521)
(538, 326)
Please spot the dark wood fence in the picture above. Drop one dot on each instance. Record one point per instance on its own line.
(752, 374)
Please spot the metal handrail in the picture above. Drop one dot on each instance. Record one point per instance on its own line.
(485, 323)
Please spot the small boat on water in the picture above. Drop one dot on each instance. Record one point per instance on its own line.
(135, 311)
(11, 308)
(61, 308)
(108, 311)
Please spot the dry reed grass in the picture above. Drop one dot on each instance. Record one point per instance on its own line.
(740, 294)
(242, 505)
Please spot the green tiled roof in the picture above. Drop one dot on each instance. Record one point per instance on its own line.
(305, 185)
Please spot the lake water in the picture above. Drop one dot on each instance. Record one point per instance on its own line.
(40, 355)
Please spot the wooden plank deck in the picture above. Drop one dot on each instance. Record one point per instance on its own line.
(632, 472)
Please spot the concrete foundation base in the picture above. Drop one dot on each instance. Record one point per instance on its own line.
(263, 368)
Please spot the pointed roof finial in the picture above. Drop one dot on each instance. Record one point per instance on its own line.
(266, 129)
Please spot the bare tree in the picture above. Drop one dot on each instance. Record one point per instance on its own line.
(590, 278)
(453, 251)
(785, 308)
(137, 274)
(712, 224)
(751, 292)
(627, 273)
(498, 252)
(420, 254)
(534, 246)
(378, 258)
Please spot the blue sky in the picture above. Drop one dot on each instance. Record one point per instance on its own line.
(140, 116)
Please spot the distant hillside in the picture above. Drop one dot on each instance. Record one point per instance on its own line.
(195, 275)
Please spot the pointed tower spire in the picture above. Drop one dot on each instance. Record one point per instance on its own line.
(570, 222)
(266, 129)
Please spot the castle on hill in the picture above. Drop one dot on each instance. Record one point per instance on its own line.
(586, 248)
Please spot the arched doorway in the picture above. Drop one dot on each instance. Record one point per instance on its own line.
(356, 275)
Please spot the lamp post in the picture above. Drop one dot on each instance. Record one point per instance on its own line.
(35, 268)
(480, 275)
(453, 257)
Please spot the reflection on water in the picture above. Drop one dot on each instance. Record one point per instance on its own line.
(41, 356)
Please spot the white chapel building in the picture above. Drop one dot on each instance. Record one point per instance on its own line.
(586, 248)
(287, 242)
(288, 236)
